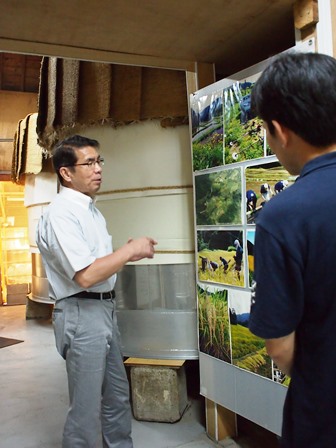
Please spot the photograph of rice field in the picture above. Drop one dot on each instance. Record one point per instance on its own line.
(207, 131)
(221, 257)
(219, 197)
(263, 182)
(250, 236)
(244, 132)
(248, 351)
(213, 319)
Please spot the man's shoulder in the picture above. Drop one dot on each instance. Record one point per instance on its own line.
(284, 211)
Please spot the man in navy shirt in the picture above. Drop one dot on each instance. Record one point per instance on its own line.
(294, 291)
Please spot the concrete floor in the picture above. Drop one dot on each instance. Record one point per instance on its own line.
(34, 398)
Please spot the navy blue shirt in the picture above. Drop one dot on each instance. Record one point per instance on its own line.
(295, 290)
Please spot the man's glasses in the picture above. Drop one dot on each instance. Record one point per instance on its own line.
(91, 163)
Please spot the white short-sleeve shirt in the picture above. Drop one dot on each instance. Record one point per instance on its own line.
(71, 235)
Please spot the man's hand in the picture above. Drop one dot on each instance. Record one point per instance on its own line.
(141, 248)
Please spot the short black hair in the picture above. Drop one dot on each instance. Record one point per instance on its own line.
(299, 91)
(64, 152)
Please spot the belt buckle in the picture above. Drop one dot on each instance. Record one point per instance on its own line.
(106, 295)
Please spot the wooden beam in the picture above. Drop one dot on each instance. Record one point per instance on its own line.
(89, 54)
(305, 14)
(172, 363)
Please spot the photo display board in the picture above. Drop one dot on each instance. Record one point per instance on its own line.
(235, 175)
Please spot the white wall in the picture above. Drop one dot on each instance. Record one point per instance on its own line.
(147, 187)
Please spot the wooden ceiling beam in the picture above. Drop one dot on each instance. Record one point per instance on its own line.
(305, 14)
(88, 54)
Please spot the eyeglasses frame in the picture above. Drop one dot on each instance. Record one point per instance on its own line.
(90, 164)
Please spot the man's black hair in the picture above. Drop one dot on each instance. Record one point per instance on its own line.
(64, 152)
(299, 91)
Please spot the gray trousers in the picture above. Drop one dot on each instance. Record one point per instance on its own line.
(88, 338)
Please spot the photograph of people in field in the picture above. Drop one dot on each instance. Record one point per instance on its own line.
(248, 351)
(207, 131)
(250, 235)
(220, 257)
(213, 317)
(219, 197)
(244, 132)
(263, 182)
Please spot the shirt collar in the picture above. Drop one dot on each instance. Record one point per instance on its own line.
(319, 162)
(77, 197)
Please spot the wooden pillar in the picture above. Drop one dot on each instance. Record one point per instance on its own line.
(221, 423)
(202, 76)
(305, 18)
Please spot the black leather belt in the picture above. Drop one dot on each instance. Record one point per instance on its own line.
(95, 295)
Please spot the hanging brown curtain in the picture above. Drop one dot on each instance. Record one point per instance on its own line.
(74, 93)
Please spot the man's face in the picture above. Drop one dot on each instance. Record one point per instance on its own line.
(84, 178)
(287, 157)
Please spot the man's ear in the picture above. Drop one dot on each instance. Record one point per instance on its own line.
(282, 133)
(65, 173)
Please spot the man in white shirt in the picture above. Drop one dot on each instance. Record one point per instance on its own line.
(81, 269)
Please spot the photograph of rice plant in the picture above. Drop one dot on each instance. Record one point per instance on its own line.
(248, 351)
(219, 197)
(244, 132)
(207, 131)
(220, 257)
(250, 236)
(213, 319)
(263, 182)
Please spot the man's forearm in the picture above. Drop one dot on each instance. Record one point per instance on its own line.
(104, 267)
(282, 351)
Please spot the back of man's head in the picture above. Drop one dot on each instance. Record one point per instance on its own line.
(298, 91)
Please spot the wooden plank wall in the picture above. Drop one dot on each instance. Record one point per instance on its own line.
(19, 72)
(14, 107)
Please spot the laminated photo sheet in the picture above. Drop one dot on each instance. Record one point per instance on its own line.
(207, 130)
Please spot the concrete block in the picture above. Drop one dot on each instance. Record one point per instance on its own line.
(36, 310)
(159, 393)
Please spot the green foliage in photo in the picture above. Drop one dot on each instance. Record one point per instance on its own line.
(214, 329)
(218, 198)
(243, 141)
(207, 147)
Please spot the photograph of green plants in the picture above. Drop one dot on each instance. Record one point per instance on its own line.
(244, 133)
(219, 197)
(207, 131)
(213, 318)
